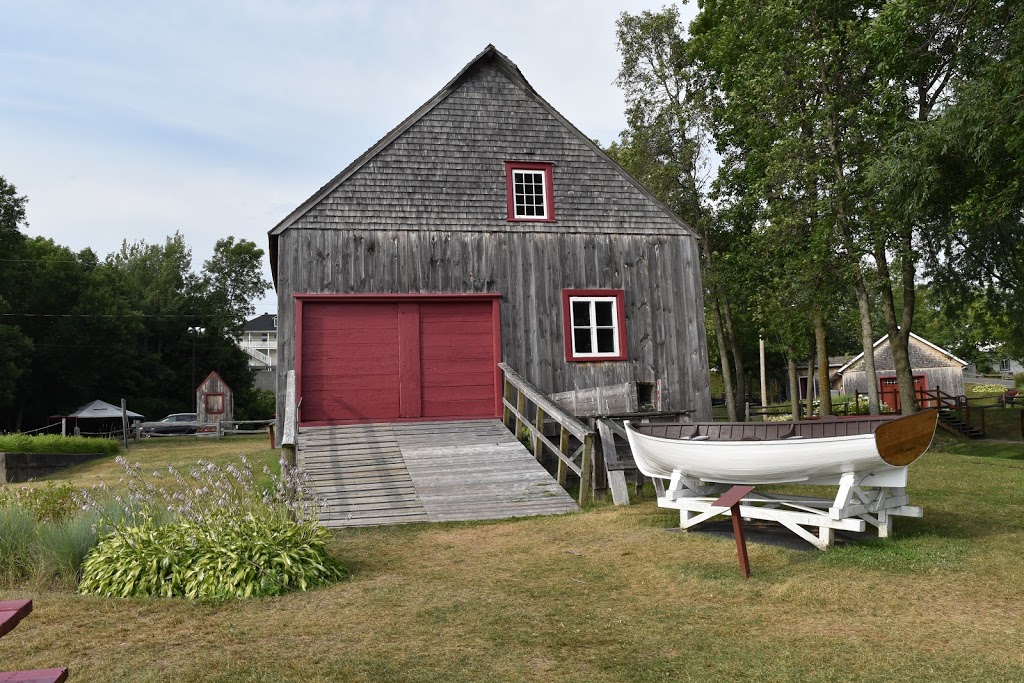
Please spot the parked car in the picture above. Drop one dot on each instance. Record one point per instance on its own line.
(178, 423)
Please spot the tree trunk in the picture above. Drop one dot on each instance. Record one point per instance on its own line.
(809, 401)
(868, 343)
(737, 360)
(821, 344)
(794, 383)
(899, 335)
(723, 357)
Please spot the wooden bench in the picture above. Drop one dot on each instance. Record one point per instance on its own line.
(11, 614)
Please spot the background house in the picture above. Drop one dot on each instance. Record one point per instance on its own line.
(259, 341)
(933, 368)
(485, 227)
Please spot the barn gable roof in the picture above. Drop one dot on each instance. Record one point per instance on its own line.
(921, 340)
(312, 212)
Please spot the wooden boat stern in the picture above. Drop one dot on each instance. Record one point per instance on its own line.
(903, 441)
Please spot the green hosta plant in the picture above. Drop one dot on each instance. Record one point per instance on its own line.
(228, 558)
(213, 534)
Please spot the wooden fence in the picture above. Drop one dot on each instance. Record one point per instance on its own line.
(532, 410)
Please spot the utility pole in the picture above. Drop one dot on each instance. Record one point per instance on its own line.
(195, 332)
(764, 384)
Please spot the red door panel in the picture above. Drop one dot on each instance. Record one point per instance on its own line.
(363, 362)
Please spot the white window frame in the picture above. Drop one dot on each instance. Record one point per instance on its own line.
(543, 195)
(594, 327)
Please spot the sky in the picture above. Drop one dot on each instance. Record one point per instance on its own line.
(132, 120)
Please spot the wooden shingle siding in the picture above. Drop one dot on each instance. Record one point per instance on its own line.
(448, 169)
(663, 302)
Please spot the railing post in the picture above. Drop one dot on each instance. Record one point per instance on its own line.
(521, 408)
(563, 445)
(586, 466)
(507, 392)
(538, 445)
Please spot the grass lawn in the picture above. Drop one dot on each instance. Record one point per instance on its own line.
(181, 452)
(609, 595)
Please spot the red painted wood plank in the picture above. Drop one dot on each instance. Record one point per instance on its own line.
(34, 676)
(457, 409)
(12, 612)
(457, 354)
(732, 496)
(458, 341)
(482, 378)
(479, 393)
(409, 359)
(467, 326)
(319, 311)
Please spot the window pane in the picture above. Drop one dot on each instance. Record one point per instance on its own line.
(605, 340)
(580, 313)
(603, 313)
(582, 338)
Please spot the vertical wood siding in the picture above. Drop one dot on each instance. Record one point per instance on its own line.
(659, 274)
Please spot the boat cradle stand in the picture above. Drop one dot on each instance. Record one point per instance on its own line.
(853, 508)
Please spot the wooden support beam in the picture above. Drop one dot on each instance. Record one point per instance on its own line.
(586, 471)
(507, 394)
(520, 411)
(563, 446)
(538, 432)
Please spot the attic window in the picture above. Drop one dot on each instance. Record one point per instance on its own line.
(529, 191)
(595, 324)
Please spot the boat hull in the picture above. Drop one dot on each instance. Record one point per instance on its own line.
(803, 460)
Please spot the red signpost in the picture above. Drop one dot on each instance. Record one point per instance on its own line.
(731, 499)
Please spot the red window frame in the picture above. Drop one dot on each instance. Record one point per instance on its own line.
(620, 316)
(549, 191)
(206, 402)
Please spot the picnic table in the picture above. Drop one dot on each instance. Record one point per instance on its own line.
(11, 614)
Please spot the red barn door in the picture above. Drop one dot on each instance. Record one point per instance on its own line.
(364, 359)
(889, 390)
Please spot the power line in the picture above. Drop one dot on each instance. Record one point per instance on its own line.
(104, 315)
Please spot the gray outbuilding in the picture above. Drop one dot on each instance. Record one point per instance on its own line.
(933, 368)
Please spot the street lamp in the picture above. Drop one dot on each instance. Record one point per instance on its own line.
(195, 332)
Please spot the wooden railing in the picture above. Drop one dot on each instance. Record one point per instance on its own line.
(529, 398)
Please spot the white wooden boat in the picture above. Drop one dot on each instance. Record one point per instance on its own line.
(810, 451)
(866, 457)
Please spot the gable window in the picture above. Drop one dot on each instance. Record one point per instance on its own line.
(530, 194)
(594, 323)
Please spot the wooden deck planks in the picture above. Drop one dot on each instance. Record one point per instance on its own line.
(477, 470)
(359, 473)
(426, 471)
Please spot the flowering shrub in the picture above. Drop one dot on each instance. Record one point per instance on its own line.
(213, 533)
(49, 503)
(978, 390)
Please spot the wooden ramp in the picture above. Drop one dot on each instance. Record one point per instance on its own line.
(426, 472)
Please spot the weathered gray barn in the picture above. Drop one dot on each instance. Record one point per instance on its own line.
(933, 368)
(484, 227)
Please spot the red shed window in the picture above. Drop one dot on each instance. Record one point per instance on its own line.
(529, 191)
(595, 324)
(214, 403)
